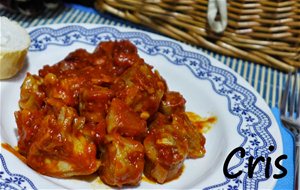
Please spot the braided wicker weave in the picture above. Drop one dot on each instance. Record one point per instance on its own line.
(262, 31)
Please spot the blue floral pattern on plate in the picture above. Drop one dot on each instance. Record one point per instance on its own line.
(253, 122)
(10, 181)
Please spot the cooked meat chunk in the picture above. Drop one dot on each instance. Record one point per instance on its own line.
(58, 146)
(123, 161)
(32, 93)
(172, 102)
(123, 120)
(140, 88)
(166, 151)
(195, 139)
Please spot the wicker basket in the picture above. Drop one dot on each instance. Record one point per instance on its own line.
(262, 31)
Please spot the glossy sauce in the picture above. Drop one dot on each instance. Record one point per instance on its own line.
(14, 151)
(202, 124)
(106, 113)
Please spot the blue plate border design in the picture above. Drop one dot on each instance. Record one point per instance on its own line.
(10, 181)
(253, 122)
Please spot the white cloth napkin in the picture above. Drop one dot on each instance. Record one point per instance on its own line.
(214, 7)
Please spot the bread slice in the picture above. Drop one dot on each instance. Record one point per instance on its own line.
(14, 43)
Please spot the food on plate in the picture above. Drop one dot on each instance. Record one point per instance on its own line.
(106, 112)
(14, 43)
(122, 160)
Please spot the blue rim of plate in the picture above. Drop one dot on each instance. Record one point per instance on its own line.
(253, 122)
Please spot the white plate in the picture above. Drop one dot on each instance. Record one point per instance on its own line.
(211, 88)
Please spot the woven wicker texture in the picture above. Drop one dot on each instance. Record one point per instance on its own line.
(262, 31)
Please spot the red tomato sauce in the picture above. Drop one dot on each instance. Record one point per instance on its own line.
(107, 113)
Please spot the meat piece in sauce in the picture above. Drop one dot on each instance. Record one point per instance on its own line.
(72, 65)
(166, 150)
(59, 148)
(123, 120)
(116, 57)
(195, 139)
(93, 106)
(171, 139)
(31, 103)
(64, 89)
(28, 125)
(172, 102)
(122, 161)
(32, 94)
(94, 102)
(141, 89)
